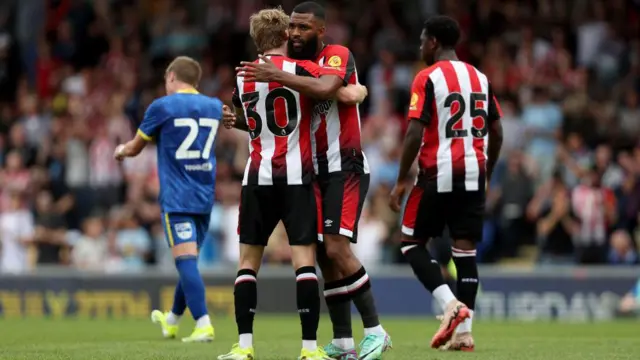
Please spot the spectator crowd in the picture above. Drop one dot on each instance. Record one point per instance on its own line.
(76, 77)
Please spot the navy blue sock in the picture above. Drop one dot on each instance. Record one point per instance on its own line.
(179, 301)
(192, 285)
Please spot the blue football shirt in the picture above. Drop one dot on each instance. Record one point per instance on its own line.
(184, 126)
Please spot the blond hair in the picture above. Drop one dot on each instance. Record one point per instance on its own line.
(186, 70)
(268, 28)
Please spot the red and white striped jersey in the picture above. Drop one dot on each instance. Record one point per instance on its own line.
(279, 122)
(336, 126)
(455, 102)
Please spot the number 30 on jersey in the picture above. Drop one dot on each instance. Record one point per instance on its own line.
(185, 150)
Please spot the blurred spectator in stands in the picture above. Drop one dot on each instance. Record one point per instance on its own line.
(595, 206)
(14, 177)
(105, 174)
(612, 174)
(372, 233)
(16, 234)
(65, 47)
(622, 251)
(542, 119)
(34, 123)
(18, 143)
(337, 30)
(574, 158)
(557, 226)
(50, 233)
(132, 242)
(511, 194)
(388, 82)
(628, 116)
(512, 127)
(607, 60)
(163, 256)
(90, 252)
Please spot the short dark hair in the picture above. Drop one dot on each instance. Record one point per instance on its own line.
(310, 7)
(444, 29)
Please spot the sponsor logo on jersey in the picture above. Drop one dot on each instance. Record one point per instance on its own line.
(199, 167)
(414, 102)
(184, 230)
(322, 108)
(334, 61)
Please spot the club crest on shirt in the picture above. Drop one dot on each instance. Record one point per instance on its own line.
(334, 61)
(184, 230)
(414, 102)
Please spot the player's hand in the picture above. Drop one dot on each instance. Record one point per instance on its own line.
(258, 72)
(363, 92)
(397, 194)
(228, 117)
(118, 154)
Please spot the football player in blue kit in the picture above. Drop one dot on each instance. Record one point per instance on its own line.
(184, 125)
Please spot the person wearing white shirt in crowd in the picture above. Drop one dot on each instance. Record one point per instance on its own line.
(16, 235)
(91, 251)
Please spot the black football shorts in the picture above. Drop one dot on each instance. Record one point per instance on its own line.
(263, 206)
(428, 212)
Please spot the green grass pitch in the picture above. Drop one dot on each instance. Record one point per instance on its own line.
(277, 337)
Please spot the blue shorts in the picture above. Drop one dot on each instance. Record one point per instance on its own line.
(181, 228)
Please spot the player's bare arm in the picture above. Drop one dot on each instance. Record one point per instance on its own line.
(241, 120)
(352, 94)
(324, 88)
(495, 144)
(410, 149)
(131, 148)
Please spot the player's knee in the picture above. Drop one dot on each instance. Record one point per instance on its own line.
(330, 271)
(250, 257)
(303, 255)
(337, 248)
(185, 249)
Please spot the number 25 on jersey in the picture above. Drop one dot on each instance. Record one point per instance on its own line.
(454, 127)
(187, 150)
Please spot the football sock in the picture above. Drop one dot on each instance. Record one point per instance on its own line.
(336, 297)
(427, 270)
(344, 343)
(173, 319)
(308, 301)
(465, 326)
(192, 285)
(467, 283)
(179, 304)
(203, 321)
(245, 295)
(363, 299)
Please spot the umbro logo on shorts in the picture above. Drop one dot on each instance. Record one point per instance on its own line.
(328, 222)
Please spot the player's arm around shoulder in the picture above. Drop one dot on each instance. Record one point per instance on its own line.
(151, 122)
(308, 79)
